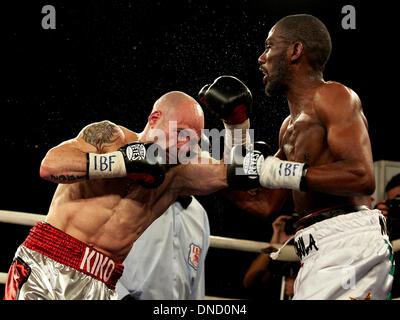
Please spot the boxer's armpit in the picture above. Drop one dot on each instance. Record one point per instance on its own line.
(101, 135)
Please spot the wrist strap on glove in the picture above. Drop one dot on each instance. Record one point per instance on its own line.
(109, 165)
(276, 173)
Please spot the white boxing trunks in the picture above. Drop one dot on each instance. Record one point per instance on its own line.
(52, 265)
(346, 256)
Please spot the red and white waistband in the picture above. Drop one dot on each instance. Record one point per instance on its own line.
(69, 251)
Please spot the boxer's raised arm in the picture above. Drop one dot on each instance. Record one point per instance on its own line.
(67, 162)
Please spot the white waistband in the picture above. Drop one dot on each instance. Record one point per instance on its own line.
(310, 240)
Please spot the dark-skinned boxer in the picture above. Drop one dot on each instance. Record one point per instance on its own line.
(325, 161)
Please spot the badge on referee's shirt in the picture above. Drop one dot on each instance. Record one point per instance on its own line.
(194, 255)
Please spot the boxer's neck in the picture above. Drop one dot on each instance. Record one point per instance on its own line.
(300, 91)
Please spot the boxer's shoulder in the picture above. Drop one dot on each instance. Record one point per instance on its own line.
(333, 100)
(104, 135)
(129, 135)
(332, 92)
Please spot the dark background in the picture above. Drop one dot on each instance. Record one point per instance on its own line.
(113, 59)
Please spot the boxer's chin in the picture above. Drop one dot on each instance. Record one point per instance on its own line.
(274, 88)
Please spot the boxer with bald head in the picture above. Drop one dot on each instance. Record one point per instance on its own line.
(108, 193)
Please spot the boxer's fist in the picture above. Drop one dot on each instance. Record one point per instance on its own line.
(227, 98)
(143, 163)
(243, 172)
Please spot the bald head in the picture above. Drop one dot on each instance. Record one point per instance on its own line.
(177, 101)
(175, 120)
(182, 108)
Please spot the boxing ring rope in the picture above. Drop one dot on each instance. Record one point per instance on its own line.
(286, 254)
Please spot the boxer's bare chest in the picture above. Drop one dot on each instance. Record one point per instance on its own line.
(123, 187)
(83, 209)
(304, 139)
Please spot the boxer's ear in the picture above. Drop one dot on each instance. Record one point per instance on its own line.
(296, 51)
(154, 118)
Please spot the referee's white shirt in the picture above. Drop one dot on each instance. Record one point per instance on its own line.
(167, 261)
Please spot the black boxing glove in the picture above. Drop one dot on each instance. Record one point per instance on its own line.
(243, 171)
(138, 161)
(227, 98)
